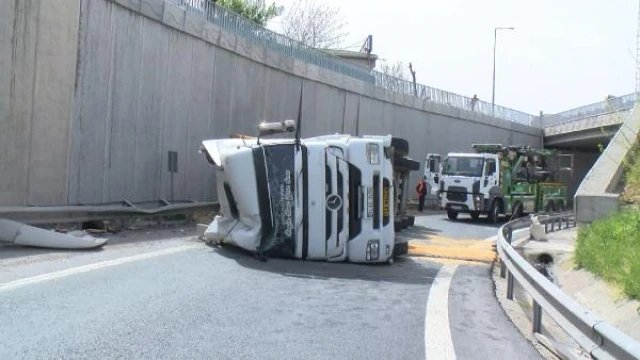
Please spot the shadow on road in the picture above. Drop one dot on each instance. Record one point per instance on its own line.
(482, 221)
(420, 230)
(403, 271)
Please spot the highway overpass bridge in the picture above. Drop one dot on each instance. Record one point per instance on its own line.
(585, 132)
(587, 127)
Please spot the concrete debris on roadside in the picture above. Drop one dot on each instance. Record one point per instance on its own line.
(537, 230)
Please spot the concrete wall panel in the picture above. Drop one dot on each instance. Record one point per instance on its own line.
(282, 95)
(55, 67)
(176, 114)
(350, 113)
(371, 120)
(125, 90)
(329, 110)
(150, 119)
(18, 33)
(93, 98)
(248, 104)
(199, 174)
(223, 94)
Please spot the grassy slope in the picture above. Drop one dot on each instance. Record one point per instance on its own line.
(610, 247)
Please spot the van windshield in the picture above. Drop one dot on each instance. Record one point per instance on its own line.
(463, 166)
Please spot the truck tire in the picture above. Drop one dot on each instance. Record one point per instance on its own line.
(494, 212)
(452, 215)
(475, 215)
(549, 208)
(406, 164)
(518, 211)
(400, 249)
(400, 146)
(411, 220)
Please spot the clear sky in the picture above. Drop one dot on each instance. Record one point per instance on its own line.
(562, 54)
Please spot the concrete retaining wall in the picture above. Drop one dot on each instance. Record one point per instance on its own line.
(598, 194)
(96, 93)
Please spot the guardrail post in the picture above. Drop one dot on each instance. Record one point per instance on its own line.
(537, 318)
(510, 286)
(503, 268)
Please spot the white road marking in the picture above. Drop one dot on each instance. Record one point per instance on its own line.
(437, 334)
(91, 267)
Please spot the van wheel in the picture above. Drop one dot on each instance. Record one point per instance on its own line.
(494, 212)
(475, 215)
(452, 215)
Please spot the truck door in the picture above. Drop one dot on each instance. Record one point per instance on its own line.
(432, 173)
(491, 174)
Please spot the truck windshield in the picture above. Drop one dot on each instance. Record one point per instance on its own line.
(463, 166)
(276, 178)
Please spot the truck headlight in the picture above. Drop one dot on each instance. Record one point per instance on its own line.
(373, 250)
(373, 154)
(477, 201)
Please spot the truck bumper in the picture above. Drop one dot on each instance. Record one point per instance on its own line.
(474, 203)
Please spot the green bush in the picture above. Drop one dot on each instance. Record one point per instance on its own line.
(610, 248)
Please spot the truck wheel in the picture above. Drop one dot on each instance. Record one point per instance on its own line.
(475, 215)
(549, 208)
(494, 212)
(400, 249)
(400, 146)
(452, 215)
(411, 220)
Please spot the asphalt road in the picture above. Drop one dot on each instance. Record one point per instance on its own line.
(178, 298)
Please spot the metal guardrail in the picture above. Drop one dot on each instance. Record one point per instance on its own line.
(620, 103)
(600, 339)
(273, 41)
(80, 213)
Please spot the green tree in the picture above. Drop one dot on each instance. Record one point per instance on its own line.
(256, 11)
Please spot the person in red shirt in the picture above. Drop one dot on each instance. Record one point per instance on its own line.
(421, 189)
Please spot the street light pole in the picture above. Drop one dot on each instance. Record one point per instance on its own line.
(493, 92)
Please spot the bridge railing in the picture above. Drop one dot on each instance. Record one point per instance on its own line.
(620, 103)
(273, 41)
(600, 339)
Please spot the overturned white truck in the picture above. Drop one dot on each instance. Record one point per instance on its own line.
(331, 198)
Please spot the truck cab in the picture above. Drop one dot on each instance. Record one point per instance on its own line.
(325, 198)
(470, 183)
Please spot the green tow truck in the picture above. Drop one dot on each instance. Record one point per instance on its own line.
(497, 179)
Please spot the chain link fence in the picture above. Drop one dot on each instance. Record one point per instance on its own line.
(273, 41)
